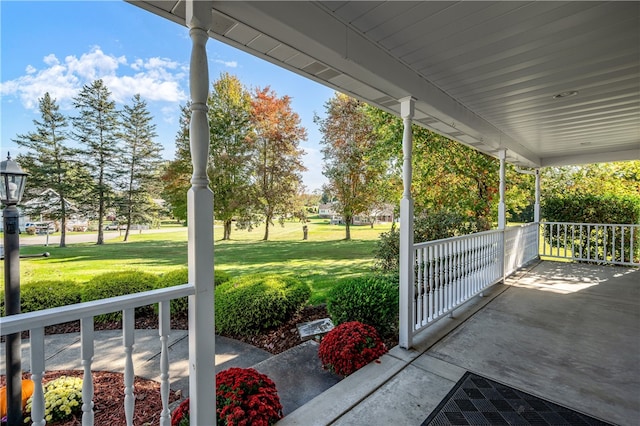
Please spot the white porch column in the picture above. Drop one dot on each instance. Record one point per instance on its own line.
(502, 219)
(202, 390)
(406, 229)
(536, 207)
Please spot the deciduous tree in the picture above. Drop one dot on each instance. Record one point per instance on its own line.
(348, 143)
(177, 173)
(277, 133)
(230, 151)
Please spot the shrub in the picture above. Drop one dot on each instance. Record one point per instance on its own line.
(371, 299)
(112, 284)
(589, 208)
(349, 347)
(249, 304)
(62, 399)
(181, 276)
(243, 396)
(38, 295)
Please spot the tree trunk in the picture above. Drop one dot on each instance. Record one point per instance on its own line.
(347, 222)
(227, 230)
(266, 229)
(63, 223)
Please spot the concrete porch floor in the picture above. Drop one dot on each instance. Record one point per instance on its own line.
(565, 332)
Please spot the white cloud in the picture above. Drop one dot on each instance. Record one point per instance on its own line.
(156, 79)
(51, 60)
(230, 64)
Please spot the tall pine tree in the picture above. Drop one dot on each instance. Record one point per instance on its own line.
(50, 162)
(96, 129)
(140, 159)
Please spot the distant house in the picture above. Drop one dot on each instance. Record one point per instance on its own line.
(382, 213)
(47, 207)
(327, 210)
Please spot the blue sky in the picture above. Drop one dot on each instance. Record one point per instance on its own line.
(60, 46)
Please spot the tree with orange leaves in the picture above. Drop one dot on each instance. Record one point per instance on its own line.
(276, 137)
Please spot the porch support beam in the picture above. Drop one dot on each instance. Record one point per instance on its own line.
(536, 206)
(202, 394)
(406, 228)
(502, 220)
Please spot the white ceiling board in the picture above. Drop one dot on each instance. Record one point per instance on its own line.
(485, 73)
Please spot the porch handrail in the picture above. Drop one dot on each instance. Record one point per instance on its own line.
(614, 244)
(52, 316)
(450, 271)
(36, 321)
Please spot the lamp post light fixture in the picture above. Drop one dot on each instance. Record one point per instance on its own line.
(12, 180)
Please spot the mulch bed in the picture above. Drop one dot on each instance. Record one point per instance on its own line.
(109, 398)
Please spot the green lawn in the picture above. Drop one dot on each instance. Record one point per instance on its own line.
(320, 261)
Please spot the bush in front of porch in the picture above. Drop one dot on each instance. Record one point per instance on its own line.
(249, 304)
(370, 299)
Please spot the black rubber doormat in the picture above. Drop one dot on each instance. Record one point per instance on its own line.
(476, 400)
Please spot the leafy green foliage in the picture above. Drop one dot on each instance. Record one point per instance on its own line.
(112, 284)
(371, 299)
(433, 226)
(446, 174)
(38, 295)
(347, 139)
(246, 305)
(589, 208)
(230, 125)
(177, 173)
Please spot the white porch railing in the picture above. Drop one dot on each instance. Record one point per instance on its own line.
(521, 246)
(449, 272)
(590, 242)
(35, 322)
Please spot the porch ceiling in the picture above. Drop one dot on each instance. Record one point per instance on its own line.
(483, 73)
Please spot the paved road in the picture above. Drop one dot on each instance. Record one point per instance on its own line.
(87, 237)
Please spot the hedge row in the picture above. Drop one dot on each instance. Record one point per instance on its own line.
(38, 295)
(244, 305)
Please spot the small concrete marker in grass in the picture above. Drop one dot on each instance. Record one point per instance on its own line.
(311, 329)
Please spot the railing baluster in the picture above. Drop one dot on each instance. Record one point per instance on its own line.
(36, 338)
(421, 288)
(425, 300)
(86, 336)
(164, 330)
(432, 282)
(128, 337)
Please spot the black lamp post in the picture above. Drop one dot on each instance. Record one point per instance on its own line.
(12, 180)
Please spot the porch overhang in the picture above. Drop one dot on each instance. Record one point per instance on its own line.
(483, 73)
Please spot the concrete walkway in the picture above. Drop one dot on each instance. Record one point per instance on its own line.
(297, 373)
(62, 352)
(568, 333)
